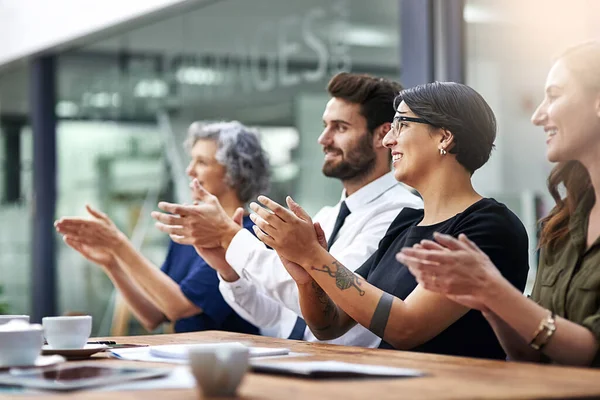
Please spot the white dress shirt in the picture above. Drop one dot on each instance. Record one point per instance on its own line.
(267, 296)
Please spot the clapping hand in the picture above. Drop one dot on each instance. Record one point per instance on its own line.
(450, 266)
(290, 232)
(296, 271)
(202, 224)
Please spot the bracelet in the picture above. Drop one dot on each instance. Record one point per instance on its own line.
(544, 332)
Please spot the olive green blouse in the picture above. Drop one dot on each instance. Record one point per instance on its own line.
(568, 277)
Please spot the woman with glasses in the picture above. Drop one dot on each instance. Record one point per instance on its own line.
(561, 322)
(441, 134)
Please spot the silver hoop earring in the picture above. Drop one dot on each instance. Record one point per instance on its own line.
(443, 152)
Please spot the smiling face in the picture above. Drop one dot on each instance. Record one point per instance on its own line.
(204, 167)
(570, 116)
(347, 144)
(415, 148)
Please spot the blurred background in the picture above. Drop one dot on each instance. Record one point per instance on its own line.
(95, 99)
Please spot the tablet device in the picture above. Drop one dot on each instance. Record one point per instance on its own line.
(74, 377)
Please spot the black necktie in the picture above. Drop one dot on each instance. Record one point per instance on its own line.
(344, 212)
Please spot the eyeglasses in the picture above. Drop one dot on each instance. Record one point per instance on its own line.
(396, 121)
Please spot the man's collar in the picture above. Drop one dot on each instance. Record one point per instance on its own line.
(370, 191)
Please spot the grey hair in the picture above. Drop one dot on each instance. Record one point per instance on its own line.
(238, 149)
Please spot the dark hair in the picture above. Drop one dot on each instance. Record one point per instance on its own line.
(584, 61)
(460, 110)
(375, 95)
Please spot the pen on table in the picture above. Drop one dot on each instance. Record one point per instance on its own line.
(108, 342)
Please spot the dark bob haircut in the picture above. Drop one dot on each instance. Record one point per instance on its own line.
(460, 110)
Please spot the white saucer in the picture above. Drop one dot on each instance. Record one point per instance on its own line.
(85, 352)
(41, 361)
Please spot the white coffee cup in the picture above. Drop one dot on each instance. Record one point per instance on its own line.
(219, 369)
(5, 318)
(20, 343)
(67, 332)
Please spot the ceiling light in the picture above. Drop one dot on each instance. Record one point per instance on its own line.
(198, 76)
(154, 88)
(67, 109)
(476, 14)
(100, 100)
(367, 36)
(116, 100)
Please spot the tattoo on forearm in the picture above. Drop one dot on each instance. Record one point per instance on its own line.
(344, 278)
(381, 314)
(328, 307)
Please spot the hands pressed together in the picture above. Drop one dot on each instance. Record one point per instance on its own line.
(290, 232)
(207, 227)
(96, 238)
(454, 267)
(204, 224)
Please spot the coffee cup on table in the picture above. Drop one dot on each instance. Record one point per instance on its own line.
(5, 318)
(67, 332)
(20, 343)
(219, 369)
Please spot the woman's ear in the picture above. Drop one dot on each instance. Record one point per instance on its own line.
(380, 133)
(447, 140)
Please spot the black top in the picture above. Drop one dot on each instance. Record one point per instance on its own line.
(494, 228)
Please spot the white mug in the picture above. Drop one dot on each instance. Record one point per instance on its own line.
(5, 318)
(219, 369)
(20, 343)
(67, 332)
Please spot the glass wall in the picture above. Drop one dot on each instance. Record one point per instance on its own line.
(124, 104)
(16, 153)
(511, 45)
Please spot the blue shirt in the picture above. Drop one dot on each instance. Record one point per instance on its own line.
(200, 284)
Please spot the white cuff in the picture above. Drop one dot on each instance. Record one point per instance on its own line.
(238, 287)
(240, 250)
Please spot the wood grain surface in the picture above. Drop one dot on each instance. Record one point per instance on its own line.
(447, 377)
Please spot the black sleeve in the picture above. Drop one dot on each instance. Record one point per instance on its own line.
(405, 219)
(364, 269)
(501, 235)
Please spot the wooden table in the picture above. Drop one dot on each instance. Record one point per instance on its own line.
(448, 377)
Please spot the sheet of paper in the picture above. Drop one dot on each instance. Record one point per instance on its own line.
(146, 354)
(142, 354)
(181, 350)
(315, 367)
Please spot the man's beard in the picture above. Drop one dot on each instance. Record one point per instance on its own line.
(357, 162)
